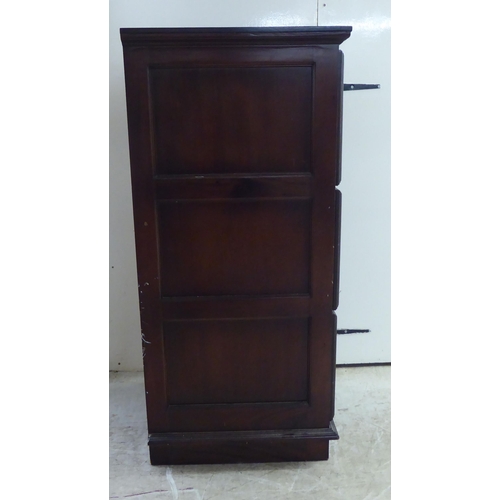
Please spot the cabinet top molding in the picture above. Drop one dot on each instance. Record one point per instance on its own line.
(136, 37)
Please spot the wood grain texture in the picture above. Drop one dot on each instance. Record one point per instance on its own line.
(237, 119)
(229, 358)
(272, 36)
(234, 139)
(289, 434)
(234, 248)
(226, 187)
(242, 446)
(210, 452)
(235, 307)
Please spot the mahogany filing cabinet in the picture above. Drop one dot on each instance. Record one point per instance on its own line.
(235, 152)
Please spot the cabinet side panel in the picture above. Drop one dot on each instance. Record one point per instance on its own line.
(220, 120)
(234, 156)
(236, 361)
(235, 247)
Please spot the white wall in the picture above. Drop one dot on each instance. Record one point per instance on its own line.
(362, 306)
(365, 288)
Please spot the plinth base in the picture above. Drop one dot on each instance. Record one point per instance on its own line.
(241, 446)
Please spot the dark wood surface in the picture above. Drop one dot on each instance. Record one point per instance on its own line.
(241, 446)
(228, 451)
(236, 120)
(234, 139)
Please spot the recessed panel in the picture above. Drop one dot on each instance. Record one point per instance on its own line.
(236, 361)
(234, 247)
(219, 120)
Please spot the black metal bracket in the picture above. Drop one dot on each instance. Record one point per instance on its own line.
(346, 332)
(361, 86)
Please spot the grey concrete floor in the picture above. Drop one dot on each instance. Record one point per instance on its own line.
(358, 468)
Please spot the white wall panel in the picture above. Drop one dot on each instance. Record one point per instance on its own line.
(365, 277)
(365, 260)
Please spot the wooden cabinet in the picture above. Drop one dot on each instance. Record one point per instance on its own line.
(235, 145)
